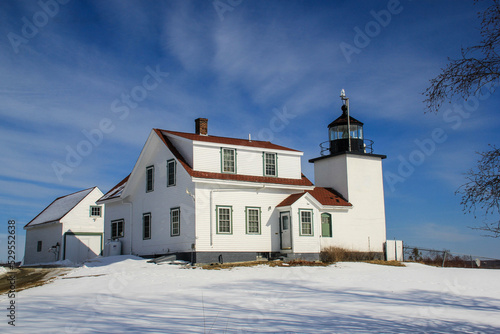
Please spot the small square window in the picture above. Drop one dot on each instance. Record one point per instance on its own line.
(95, 211)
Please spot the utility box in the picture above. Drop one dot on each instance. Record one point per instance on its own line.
(394, 250)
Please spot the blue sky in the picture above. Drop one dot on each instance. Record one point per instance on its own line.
(78, 69)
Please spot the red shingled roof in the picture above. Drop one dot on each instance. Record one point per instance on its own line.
(326, 196)
(116, 191)
(229, 141)
(303, 181)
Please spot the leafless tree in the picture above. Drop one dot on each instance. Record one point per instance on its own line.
(477, 71)
(482, 191)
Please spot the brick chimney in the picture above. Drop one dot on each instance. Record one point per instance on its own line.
(201, 126)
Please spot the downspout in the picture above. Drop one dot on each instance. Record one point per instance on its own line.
(211, 206)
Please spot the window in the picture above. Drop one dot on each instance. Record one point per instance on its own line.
(253, 220)
(150, 171)
(228, 160)
(326, 225)
(95, 211)
(39, 246)
(224, 219)
(117, 229)
(270, 164)
(171, 165)
(146, 226)
(306, 225)
(175, 221)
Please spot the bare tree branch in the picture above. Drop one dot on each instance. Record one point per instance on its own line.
(481, 193)
(478, 69)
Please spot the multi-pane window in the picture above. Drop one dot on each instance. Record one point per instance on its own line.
(224, 219)
(171, 166)
(117, 229)
(146, 226)
(95, 211)
(270, 164)
(39, 246)
(150, 174)
(175, 221)
(228, 160)
(253, 220)
(306, 222)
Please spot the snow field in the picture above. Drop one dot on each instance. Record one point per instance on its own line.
(125, 294)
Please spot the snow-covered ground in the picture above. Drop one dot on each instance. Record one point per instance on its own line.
(128, 295)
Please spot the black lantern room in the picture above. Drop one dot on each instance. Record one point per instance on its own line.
(345, 129)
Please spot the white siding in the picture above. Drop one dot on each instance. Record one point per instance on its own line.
(239, 240)
(332, 172)
(79, 220)
(289, 166)
(157, 202)
(249, 160)
(50, 235)
(305, 243)
(363, 227)
(207, 158)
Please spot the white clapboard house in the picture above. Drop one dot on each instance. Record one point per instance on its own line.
(70, 228)
(216, 199)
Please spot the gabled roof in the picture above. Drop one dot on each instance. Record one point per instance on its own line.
(59, 208)
(325, 196)
(303, 181)
(116, 191)
(229, 141)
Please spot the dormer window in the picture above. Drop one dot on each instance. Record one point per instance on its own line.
(270, 164)
(228, 160)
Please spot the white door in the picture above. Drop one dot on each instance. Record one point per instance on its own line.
(80, 248)
(286, 233)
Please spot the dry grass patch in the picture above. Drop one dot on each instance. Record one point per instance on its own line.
(276, 263)
(26, 278)
(338, 254)
(387, 263)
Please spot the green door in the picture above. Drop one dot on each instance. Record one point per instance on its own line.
(326, 225)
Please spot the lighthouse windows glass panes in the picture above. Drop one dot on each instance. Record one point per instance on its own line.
(341, 132)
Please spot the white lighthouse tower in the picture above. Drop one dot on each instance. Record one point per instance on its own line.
(348, 165)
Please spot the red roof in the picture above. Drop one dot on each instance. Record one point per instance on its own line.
(229, 141)
(116, 191)
(326, 196)
(303, 181)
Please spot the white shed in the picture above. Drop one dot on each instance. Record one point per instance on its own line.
(70, 228)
